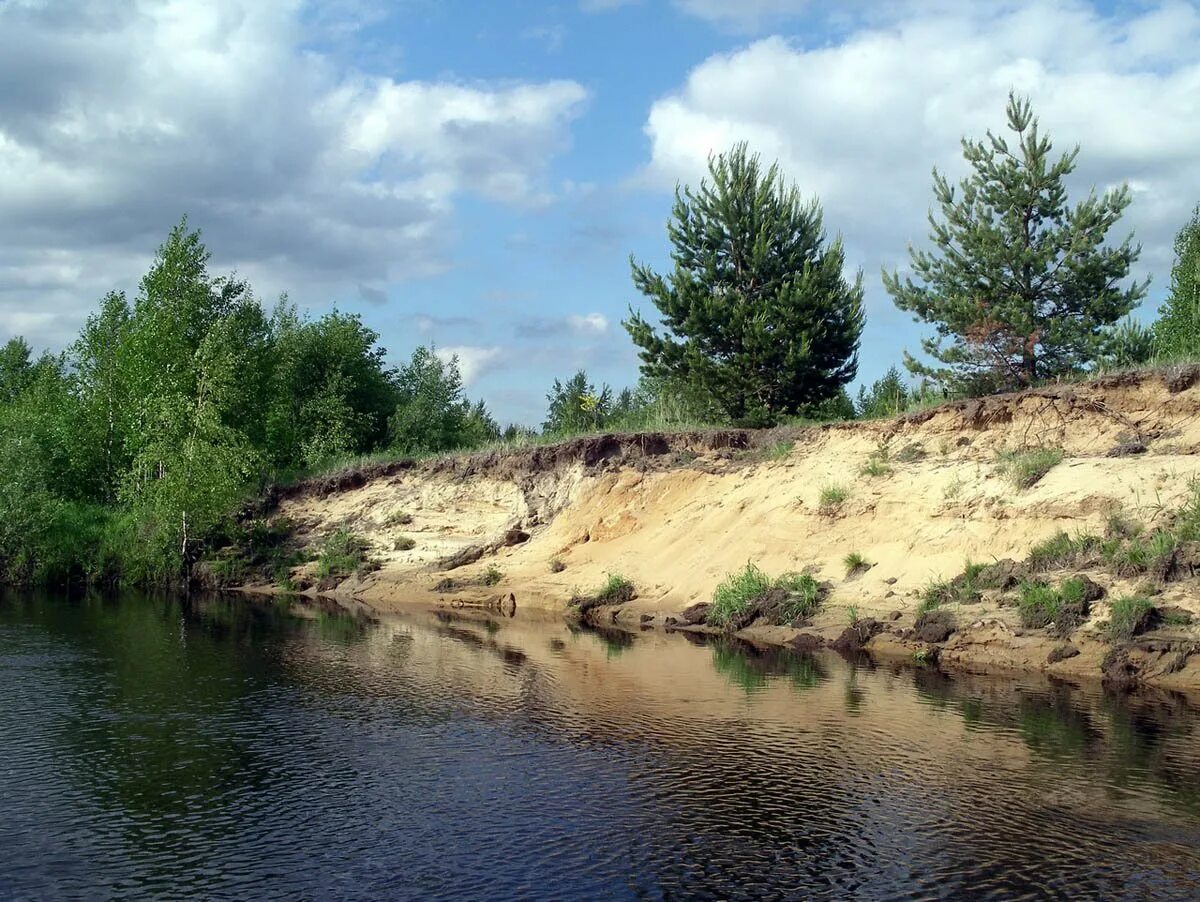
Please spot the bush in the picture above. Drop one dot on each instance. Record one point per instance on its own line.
(493, 575)
(1041, 605)
(876, 465)
(404, 543)
(1025, 468)
(398, 518)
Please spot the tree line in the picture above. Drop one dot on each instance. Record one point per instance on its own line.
(130, 449)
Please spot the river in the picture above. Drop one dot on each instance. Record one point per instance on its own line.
(228, 749)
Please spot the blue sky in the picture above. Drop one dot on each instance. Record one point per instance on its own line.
(477, 174)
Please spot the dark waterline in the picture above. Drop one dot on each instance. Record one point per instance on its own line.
(244, 751)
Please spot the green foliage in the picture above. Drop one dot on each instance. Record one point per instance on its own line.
(492, 576)
(398, 518)
(1041, 604)
(876, 465)
(736, 593)
(855, 563)
(803, 598)
(1127, 345)
(831, 498)
(341, 554)
(578, 406)
(887, 396)
(1025, 469)
(616, 588)
(1020, 286)
(1129, 615)
(1177, 331)
(756, 314)
(128, 452)
(431, 413)
(404, 543)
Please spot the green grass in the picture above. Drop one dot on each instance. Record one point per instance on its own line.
(398, 518)
(855, 563)
(404, 543)
(1041, 604)
(1128, 617)
(1026, 468)
(492, 575)
(852, 614)
(779, 450)
(804, 595)
(963, 589)
(737, 593)
(615, 588)
(876, 465)
(741, 590)
(831, 498)
(341, 554)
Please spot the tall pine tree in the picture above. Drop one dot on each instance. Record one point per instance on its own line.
(757, 313)
(1020, 286)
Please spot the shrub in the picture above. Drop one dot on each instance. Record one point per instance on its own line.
(398, 518)
(1025, 468)
(404, 543)
(341, 554)
(832, 497)
(492, 575)
(1129, 616)
(557, 566)
(855, 563)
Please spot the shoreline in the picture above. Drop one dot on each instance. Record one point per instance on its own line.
(927, 503)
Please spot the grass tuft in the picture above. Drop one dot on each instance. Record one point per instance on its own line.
(1025, 469)
(492, 575)
(404, 543)
(1129, 616)
(855, 563)
(736, 593)
(398, 518)
(341, 554)
(831, 499)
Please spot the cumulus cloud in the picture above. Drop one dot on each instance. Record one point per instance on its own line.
(589, 324)
(117, 118)
(473, 361)
(861, 121)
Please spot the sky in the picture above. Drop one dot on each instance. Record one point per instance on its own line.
(476, 175)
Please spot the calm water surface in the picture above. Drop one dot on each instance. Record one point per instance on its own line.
(240, 751)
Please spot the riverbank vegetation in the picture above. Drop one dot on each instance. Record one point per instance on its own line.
(131, 451)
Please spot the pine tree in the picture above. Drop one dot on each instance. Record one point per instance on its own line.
(1020, 287)
(757, 313)
(1177, 332)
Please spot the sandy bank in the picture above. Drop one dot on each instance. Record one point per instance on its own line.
(675, 513)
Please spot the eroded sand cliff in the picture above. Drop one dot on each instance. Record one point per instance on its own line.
(675, 513)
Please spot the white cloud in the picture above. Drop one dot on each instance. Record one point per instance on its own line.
(473, 360)
(117, 118)
(861, 122)
(590, 324)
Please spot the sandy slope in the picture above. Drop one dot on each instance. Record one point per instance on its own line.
(675, 514)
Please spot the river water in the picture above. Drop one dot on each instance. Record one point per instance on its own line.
(235, 750)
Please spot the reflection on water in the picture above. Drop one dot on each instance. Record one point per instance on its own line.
(258, 751)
